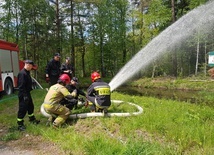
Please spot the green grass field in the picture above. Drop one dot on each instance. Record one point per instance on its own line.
(164, 127)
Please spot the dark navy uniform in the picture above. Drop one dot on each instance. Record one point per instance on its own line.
(67, 67)
(71, 88)
(53, 70)
(99, 94)
(25, 99)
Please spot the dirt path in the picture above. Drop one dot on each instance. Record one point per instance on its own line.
(27, 145)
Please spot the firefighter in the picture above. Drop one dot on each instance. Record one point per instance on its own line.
(53, 70)
(52, 101)
(72, 88)
(25, 99)
(98, 94)
(67, 68)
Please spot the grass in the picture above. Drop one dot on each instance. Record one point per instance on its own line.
(173, 83)
(165, 127)
(12, 134)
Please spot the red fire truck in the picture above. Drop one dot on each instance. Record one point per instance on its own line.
(10, 65)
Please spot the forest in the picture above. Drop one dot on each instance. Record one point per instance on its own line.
(102, 34)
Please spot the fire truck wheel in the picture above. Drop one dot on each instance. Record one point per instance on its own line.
(8, 87)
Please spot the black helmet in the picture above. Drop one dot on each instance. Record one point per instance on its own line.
(68, 58)
(75, 79)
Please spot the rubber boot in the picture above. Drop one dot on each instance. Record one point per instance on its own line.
(50, 120)
(105, 111)
(55, 126)
(92, 108)
(21, 126)
(33, 120)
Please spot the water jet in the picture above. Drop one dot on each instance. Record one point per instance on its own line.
(195, 20)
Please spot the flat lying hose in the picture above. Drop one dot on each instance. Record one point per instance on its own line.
(99, 114)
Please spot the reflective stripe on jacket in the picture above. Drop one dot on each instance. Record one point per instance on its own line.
(101, 91)
(56, 93)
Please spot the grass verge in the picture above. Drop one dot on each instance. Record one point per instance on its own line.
(165, 127)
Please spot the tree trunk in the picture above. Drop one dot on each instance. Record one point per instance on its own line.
(205, 58)
(153, 70)
(101, 55)
(58, 27)
(173, 11)
(17, 23)
(197, 55)
(82, 45)
(72, 38)
(83, 61)
(174, 54)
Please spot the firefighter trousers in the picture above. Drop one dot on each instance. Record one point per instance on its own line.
(25, 107)
(94, 105)
(61, 112)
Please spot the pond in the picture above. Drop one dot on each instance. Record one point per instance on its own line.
(191, 96)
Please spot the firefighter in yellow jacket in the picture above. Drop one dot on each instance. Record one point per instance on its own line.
(52, 101)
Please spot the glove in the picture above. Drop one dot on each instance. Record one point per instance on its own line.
(26, 99)
(86, 104)
(47, 79)
(74, 93)
(70, 106)
(81, 102)
(63, 101)
(81, 99)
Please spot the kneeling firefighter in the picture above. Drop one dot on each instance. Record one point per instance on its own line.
(98, 94)
(52, 101)
(73, 89)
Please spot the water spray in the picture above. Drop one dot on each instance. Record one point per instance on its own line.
(201, 17)
(197, 19)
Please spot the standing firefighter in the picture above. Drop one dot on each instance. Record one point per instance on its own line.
(25, 100)
(98, 94)
(52, 71)
(52, 100)
(67, 68)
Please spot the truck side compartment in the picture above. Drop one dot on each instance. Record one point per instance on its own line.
(9, 66)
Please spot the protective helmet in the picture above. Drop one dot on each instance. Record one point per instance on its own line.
(68, 58)
(75, 79)
(64, 78)
(95, 76)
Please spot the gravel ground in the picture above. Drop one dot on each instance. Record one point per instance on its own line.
(28, 145)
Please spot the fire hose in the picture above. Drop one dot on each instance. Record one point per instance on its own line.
(100, 114)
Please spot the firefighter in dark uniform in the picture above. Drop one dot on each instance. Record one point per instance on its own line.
(25, 101)
(53, 70)
(67, 68)
(98, 94)
(72, 88)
